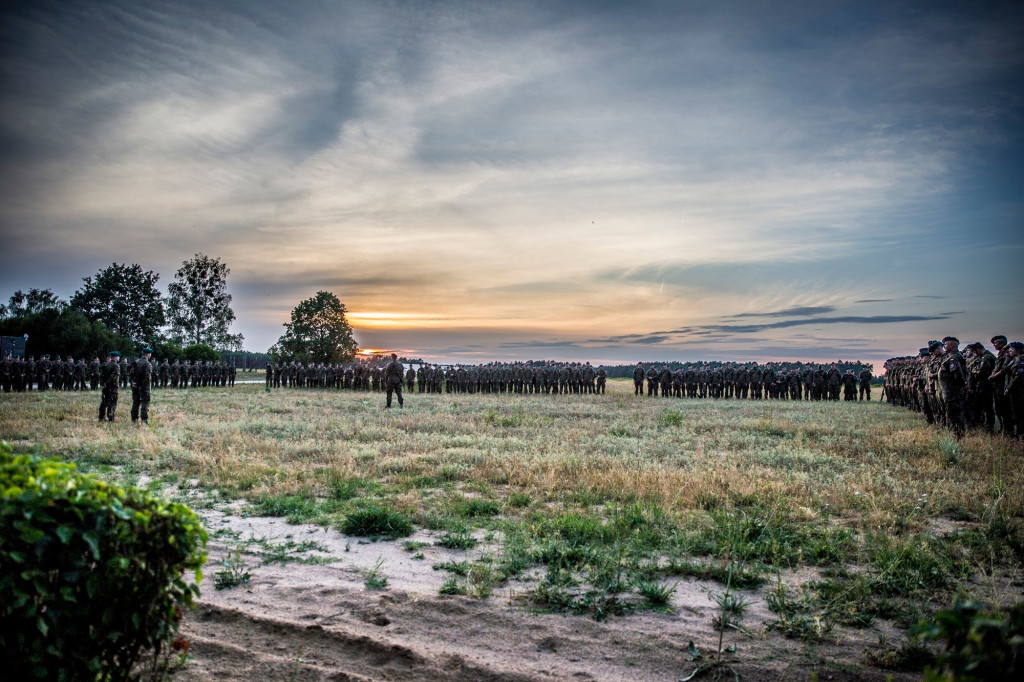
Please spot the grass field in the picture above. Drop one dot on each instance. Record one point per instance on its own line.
(604, 500)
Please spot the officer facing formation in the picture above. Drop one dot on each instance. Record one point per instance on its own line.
(394, 374)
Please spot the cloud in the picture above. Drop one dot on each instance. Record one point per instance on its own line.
(873, 300)
(788, 312)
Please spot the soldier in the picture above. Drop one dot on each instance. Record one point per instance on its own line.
(232, 373)
(94, 374)
(998, 378)
(652, 380)
(1014, 390)
(638, 379)
(849, 386)
(142, 381)
(7, 373)
(410, 379)
(980, 410)
(122, 371)
(952, 376)
(756, 382)
(165, 373)
(394, 372)
(43, 373)
(110, 376)
(865, 384)
(665, 381)
(80, 371)
(834, 380)
(742, 382)
(602, 378)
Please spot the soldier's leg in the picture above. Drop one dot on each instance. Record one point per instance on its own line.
(955, 416)
(986, 415)
(103, 405)
(144, 407)
(136, 403)
(398, 392)
(112, 405)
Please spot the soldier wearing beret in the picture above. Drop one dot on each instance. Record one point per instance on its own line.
(952, 376)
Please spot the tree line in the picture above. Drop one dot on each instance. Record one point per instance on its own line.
(120, 308)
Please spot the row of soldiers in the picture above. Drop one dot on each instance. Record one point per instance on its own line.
(735, 380)
(24, 374)
(960, 390)
(495, 377)
(693, 380)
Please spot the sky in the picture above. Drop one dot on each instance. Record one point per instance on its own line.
(476, 181)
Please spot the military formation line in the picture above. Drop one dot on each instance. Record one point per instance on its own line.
(973, 389)
(26, 374)
(776, 381)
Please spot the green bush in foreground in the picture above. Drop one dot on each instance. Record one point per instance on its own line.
(90, 574)
(980, 643)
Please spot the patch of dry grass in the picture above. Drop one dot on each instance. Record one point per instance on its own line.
(793, 481)
(867, 463)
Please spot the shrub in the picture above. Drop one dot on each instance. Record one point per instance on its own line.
(90, 573)
(980, 643)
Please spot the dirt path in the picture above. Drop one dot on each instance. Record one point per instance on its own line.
(319, 622)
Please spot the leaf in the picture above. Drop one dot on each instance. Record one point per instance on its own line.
(93, 542)
(693, 651)
(65, 533)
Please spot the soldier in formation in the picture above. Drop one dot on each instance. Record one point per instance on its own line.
(110, 375)
(141, 373)
(960, 391)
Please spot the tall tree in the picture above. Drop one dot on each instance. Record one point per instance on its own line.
(199, 304)
(319, 331)
(35, 301)
(125, 298)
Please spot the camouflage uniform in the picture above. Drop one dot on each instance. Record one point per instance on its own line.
(110, 375)
(394, 372)
(142, 382)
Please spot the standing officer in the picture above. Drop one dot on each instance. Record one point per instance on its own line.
(394, 374)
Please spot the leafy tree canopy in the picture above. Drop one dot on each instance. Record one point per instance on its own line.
(35, 301)
(318, 332)
(125, 298)
(200, 351)
(65, 332)
(199, 305)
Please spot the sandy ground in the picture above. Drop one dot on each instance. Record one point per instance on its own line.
(320, 622)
